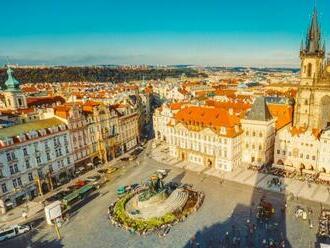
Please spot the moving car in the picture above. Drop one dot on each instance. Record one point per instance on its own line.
(13, 231)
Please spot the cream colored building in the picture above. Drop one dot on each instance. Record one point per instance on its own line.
(162, 117)
(297, 148)
(259, 134)
(207, 136)
(324, 152)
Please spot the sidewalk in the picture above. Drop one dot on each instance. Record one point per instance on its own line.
(14, 216)
(312, 191)
(35, 206)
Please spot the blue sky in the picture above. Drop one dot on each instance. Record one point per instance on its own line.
(209, 32)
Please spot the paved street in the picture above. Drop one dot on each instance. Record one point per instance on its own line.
(226, 204)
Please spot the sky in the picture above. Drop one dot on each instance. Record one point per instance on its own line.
(263, 33)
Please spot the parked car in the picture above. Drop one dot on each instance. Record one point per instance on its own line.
(93, 178)
(111, 170)
(121, 190)
(77, 185)
(102, 171)
(133, 157)
(59, 195)
(124, 159)
(13, 231)
(162, 172)
(164, 232)
(135, 185)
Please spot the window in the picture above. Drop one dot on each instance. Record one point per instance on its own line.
(8, 156)
(27, 163)
(254, 134)
(19, 181)
(301, 155)
(48, 156)
(278, 151)
(284, 152)
(14, 183)
(313, 157)
(38, 160)
(4, 188)
(309, 70)
(11, 168)
(15, 167)
(25, 151)
(307, 156)
(68, 160)
(30, 177)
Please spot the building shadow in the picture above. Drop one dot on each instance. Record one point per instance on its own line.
(178, 179)
(27, 241)
(243, 228)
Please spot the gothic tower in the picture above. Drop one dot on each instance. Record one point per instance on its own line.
(314, 89)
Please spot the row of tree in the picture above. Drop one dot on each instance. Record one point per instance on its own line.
(94, 74)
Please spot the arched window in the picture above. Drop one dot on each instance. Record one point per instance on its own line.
(309, 70)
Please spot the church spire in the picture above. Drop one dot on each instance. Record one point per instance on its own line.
(313, 40)
(11, 84)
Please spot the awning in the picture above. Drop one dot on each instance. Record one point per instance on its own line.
(284, 167)
(324, 177)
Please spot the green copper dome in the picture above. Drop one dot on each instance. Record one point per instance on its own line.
(11, 84)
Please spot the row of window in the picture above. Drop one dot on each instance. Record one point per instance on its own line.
(307, 156)
(194, 135)
(17, 182)
(12, 156)
(253, 133)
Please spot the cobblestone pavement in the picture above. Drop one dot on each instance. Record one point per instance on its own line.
(228, 207)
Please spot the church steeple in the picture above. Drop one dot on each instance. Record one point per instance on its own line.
(313, 44)
(11, 84)
(14, 97)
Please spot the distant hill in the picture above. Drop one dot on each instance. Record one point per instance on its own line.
(95, 74)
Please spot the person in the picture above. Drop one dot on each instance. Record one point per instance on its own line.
(24, 215)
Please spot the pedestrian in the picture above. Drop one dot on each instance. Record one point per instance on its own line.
(24, 215)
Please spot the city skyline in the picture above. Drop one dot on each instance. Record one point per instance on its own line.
(109, 33)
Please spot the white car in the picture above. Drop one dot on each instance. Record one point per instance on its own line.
(13, 231)
(163, 172)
